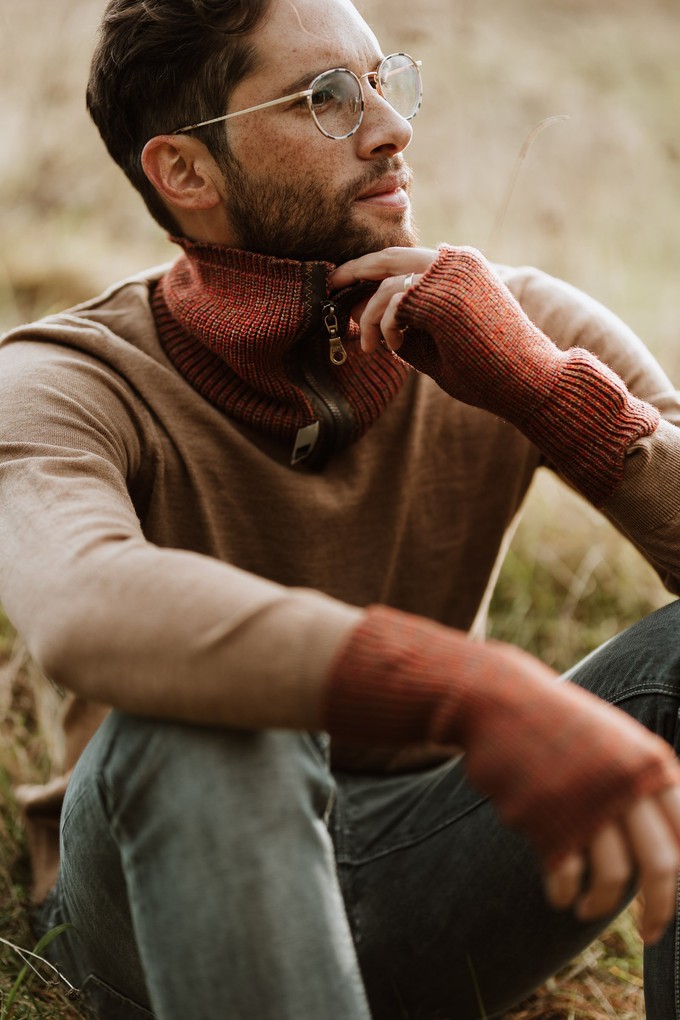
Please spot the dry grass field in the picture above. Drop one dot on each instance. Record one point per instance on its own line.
(596, 201)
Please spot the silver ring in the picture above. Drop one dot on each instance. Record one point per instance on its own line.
(408, 281)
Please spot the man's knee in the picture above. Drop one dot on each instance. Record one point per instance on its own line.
(639, 671)
(150, 770)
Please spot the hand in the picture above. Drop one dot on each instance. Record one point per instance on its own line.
(580, 778)
(376, 315)
(461, 326)
(643, 844)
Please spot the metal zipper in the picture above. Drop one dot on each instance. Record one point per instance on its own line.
(338, 354)
(314, 376)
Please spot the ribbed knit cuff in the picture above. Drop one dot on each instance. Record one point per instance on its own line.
(370, 691)
(588, 424)
(401, 679)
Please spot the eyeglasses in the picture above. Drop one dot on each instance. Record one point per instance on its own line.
(336, 99)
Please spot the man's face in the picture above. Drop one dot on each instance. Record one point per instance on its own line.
(289, 190)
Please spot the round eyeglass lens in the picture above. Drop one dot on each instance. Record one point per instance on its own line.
(400, 84)
(336, 103)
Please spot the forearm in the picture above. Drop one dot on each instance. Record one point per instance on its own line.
(173, 635)
(110, 615)
(645, 506)
(465, 329)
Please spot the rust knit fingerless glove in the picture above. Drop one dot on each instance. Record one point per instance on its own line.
(556, 761)
(476, 342)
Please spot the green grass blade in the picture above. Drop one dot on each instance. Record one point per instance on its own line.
(41, 945)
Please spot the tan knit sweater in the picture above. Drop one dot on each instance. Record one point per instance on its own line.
(159, 557)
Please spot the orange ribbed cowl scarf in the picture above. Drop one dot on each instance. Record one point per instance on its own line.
(262, 340)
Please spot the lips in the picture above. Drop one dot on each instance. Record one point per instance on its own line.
(386, 186)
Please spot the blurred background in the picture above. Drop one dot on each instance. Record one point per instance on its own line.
(596, 201)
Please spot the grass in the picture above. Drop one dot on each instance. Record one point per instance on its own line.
(23, 757)
(592, 204)
(605, 982)
(35, 965)
(561, 599)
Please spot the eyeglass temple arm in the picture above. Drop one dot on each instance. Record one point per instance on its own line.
(239, 113)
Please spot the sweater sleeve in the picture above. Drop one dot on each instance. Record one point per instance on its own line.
(109, 615)
(646, 505)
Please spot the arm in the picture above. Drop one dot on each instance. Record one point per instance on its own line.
(646, 505)
(105, 613)
(482, 346)
(460, 325)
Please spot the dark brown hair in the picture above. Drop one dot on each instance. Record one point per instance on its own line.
(161, 64)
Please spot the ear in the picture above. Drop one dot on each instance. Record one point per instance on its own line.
(183, 172)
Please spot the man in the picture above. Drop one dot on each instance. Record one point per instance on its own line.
(207, 475)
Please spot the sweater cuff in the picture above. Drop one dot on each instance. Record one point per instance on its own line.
(588, 425)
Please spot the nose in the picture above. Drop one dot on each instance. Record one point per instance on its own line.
(383, 132)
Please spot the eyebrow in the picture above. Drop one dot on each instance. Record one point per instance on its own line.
(305, 80)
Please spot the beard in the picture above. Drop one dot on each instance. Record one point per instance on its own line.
(298, 219)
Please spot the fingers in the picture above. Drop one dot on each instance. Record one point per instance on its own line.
(611, 873)
(645, 846)
(378, 321)
(655, 845)
(669, 802)
(381, 265)
(396, 268)
(563, 884)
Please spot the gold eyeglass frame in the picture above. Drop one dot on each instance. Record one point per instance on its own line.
(307, 93)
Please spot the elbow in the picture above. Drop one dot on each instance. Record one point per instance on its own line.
(61, 648)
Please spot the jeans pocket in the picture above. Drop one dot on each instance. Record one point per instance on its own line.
(102, 1002)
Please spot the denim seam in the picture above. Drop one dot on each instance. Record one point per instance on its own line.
(95, 981)
(649, 687)
(99, 781)
(404, 844)
(73, 804)
(339, 829)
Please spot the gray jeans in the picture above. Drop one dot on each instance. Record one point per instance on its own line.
(218, 874)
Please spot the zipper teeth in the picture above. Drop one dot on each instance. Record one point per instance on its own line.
(337, 423)
(322, 393)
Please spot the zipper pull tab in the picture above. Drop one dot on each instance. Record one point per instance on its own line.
(338, 354)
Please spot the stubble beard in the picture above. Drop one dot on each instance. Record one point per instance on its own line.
(300, 220)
